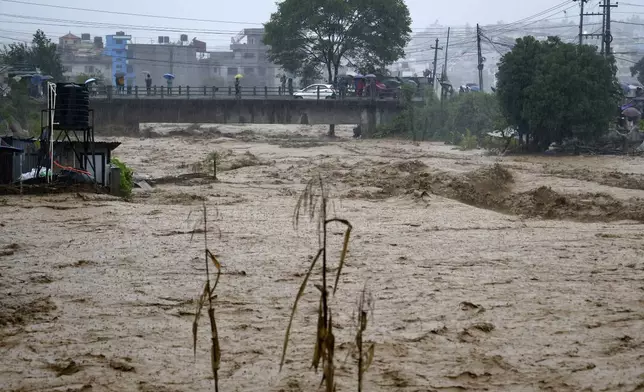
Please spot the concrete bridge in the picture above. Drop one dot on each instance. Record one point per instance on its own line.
(124, 115)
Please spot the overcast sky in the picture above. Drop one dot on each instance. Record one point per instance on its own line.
(250, 13)
(247, 13)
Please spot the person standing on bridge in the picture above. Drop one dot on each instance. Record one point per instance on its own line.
(238, 86)
(148, 83)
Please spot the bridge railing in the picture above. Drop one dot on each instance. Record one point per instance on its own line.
(227, 92)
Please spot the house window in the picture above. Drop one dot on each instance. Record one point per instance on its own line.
(249, 71)
(130, 68)
(261, 71)
(232, 71)
(89, 69)
(251, 41)
(119, 67)
(249, 55)
(215, 71)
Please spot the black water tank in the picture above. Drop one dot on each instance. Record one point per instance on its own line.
(72, 106)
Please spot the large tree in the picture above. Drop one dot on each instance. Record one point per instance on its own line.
(552, 90)
(41, 54)
(325, 32)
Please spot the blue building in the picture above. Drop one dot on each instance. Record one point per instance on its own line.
(116, 47)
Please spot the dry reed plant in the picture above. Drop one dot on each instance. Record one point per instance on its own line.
(208, 296)
(365, 358)
(314, 202)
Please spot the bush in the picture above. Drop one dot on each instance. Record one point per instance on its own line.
(127, 177)
(468, 141)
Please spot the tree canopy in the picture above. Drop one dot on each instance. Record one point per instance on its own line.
(366, 32)
(550, 90)
(41, 53)
(638, 70)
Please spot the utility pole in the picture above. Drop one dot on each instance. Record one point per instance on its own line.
(608, 36)
(581, 23)
(481, 59)
(436, 49)
(603, 26)
(444, 73)
(581, 20)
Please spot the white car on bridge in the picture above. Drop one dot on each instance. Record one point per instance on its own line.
(311, 92)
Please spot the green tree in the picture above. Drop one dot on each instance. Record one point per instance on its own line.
(638, 70)
(41, 54)
(309, 74)
(475, 113)
(517, 70)
(82, 77)
(327, 31)
(552, 90)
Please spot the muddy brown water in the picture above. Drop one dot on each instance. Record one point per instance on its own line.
(508, 274)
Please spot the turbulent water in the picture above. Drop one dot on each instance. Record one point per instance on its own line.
(513, 274)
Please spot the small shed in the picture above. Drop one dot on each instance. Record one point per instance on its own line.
(66, 154)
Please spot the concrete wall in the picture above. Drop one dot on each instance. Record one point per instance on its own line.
(124, 115)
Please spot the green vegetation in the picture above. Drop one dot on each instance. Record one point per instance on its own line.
(550, 91)
(127, 177)
(41, 53)
(326, 32)
(17, 109)
(81, 78)
(638, 70)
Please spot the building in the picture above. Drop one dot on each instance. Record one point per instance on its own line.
(159, 59)
(68, 40)
(116, 47)
(83, 56)
(248, 56)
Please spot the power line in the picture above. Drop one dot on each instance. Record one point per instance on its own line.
(129, 13)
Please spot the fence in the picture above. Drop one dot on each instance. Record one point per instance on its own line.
(213, 92)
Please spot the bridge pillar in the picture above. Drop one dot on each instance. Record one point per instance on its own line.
(369, 120)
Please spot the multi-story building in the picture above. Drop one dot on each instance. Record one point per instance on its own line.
(116, 47)
(248, 56)
(83, 56)
(179, 59)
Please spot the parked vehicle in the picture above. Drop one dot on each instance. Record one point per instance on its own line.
(311, 92)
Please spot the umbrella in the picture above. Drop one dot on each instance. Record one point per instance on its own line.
(239, 76)
(168, 76)
(632, 112)
(370, 76)
(358, 76)
(90, 81)
(145, 72)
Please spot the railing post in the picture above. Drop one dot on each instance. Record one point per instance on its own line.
(214, 89)
(318, 93)
(279, 90)
(155, 90)
(179, 90)
(254, 90)
(136, 91)
(188, 92)
(205, 91)
(109, 92)
(266, 91)
(230, 90)
(161, 91)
